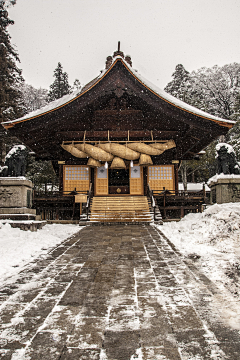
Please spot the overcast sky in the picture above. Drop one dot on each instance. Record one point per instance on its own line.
(158, 34)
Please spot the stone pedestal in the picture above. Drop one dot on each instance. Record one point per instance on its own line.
(16, 199)
(224, 188)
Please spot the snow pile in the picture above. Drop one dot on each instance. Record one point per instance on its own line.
(18, 247)
(212, 239)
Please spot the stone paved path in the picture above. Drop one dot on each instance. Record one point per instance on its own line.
(117, 293)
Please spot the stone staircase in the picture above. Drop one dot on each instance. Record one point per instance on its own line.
(132, 209)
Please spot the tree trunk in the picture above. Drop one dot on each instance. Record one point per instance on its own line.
(193, 177)
(184, 175)
(2, 147)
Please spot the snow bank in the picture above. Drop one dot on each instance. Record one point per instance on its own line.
(18, 247)
(212, 236)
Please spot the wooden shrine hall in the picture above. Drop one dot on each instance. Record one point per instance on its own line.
(117, 145)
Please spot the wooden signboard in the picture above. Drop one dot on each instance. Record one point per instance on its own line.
(80, 198)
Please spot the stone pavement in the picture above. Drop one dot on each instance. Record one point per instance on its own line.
(114, 292)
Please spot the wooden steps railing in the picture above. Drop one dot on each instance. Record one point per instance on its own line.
(120, 209)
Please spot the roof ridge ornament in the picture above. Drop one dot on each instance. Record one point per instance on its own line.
(116, 53)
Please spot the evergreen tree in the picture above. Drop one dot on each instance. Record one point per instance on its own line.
(41, 173)
(11, 106)
(8, 3)
(60, 86)
(180, 85)
(233, 136)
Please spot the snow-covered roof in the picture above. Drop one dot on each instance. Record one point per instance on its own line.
(56, 104)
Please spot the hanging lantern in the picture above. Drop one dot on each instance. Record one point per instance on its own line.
(145, 160)
(106, 165)
(131, 163)
(118, 163)
(93, 163)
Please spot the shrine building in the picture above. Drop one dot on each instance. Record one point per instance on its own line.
(119, 136)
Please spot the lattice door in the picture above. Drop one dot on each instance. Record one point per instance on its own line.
(136, 180)
(76, 176)
(161, 176)
(101, 184)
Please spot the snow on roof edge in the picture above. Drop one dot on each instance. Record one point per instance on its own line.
(54, 105)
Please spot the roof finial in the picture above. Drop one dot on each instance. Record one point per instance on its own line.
(118, 52)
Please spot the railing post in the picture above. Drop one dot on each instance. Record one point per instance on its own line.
(87, 213)
(89, 194)
(204, 191)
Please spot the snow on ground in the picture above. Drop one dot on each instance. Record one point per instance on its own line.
(212, 240)
(18, 247)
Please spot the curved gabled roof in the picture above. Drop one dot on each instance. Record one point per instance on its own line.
(59, 103)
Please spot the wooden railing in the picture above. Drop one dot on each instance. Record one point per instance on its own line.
(56, 193)
(61, 201)
(176, 200)
(179, 193)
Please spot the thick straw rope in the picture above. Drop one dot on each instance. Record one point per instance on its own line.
(107, 151)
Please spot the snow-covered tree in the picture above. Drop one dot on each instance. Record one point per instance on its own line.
(180, 84)
(33, 98)
(10, 74)
(11, 105)
(7, 3)
(60, 86)
(76, 85)
(215, 89)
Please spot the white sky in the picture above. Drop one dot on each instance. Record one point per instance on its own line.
(158, 34)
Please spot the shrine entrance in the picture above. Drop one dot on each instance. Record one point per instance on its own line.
(127, 181)
(118, 181)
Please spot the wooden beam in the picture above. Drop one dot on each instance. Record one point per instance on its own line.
(72, 135)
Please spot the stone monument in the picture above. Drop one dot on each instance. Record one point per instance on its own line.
(225, 185)
(15, 190)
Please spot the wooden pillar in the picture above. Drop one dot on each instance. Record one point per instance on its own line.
(145, 173)
(80, 208)
(164, 203)
(176, 178)
(92, 179)
(60, 178)
(182, 211)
